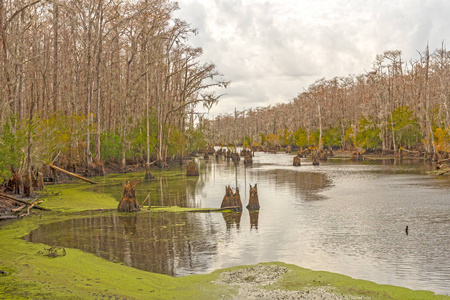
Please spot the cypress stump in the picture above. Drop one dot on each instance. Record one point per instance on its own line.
(253, 202)
(228, 198)
(315, 158)
(128, 203)
(297, 161)
(248, 160)
(237, 200)
(232, 199)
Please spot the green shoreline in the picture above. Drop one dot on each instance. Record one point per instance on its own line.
(81, 275)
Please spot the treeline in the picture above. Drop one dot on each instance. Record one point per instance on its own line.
(396, 105)
(85, 82)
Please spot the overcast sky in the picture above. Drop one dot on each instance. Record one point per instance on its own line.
(272, 50)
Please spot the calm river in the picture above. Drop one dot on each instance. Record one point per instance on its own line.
(342, 217)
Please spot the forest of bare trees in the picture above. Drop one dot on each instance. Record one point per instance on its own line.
(88, 82)
(397, 105)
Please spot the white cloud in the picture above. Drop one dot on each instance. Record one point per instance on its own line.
(271, 50)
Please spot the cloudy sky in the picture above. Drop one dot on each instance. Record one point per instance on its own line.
(274, 49)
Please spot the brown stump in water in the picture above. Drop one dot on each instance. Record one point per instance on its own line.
(206, 155)
(356, 156)
(237, 200)
(253, 202)
(315, 159)
(128, 203)
(192, 169)
(232, 199)
(297, 161)
(248, 160)
(228, 198)
(323, 156)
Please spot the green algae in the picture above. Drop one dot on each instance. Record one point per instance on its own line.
(81, 275)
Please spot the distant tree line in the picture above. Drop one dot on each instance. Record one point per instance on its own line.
(85, 82)
(396, 105)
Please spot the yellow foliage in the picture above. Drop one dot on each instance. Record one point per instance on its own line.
(442, 139)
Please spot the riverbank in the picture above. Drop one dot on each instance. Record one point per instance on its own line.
(29, 272)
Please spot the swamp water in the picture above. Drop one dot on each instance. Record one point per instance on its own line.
(342, 217)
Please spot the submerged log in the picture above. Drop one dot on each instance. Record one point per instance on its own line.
(297, 161)
(71, 174)
(253, 202)
(192, 169)
(128, 203)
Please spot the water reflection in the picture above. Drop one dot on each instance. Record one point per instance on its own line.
(232, 219)
(342, 217)
(167, 243)
(254, 215)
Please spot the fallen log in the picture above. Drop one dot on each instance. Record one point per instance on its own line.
(19, 208)
(441, 161)
(142, 204)
(71, 174)
(444, 172)
(3, 195)
(233, 208)
(28, 211)
(8, 217)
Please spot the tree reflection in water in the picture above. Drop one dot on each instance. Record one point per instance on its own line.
(254, 215)
(176, 244)
(232, 219)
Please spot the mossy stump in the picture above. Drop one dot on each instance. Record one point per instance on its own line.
(297, 161)
(192, 169)
(128, 203)
(253, 202)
